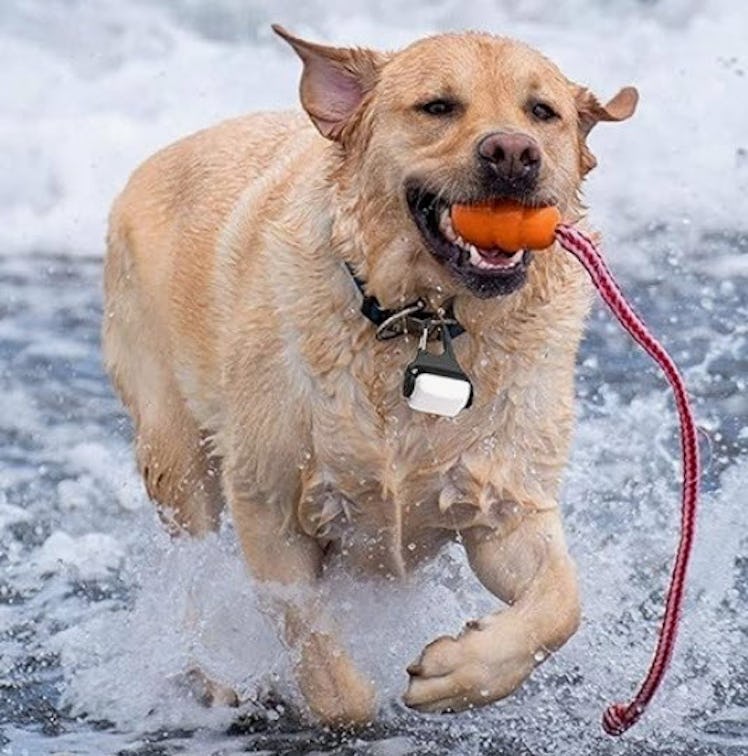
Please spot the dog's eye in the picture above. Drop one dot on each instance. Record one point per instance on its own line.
(544, 112)
(439, 107)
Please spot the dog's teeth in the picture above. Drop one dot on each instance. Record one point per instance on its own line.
(445, 226)
(468, 251)
(456, 240)
(479, 260)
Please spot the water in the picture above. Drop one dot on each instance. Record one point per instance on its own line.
(92, 642)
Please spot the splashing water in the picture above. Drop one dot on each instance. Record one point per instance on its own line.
(92, 593)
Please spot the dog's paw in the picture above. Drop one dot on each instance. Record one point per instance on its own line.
(337, 694)
(208, 692)
(488, 661)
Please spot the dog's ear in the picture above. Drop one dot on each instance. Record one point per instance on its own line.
(334, 81)
(591, 111)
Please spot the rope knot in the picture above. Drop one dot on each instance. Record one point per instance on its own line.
(618, 717)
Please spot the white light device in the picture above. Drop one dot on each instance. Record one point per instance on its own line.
(439, 394)
(435, 383)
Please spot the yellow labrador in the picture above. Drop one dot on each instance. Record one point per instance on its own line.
(234, 333)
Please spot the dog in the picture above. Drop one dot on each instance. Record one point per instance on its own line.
(234, 334)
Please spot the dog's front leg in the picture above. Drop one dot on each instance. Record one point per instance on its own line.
(531, 571)
(287, 564)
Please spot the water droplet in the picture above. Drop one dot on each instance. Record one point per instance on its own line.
(539, 656)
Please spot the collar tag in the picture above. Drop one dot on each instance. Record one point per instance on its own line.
(435, 383)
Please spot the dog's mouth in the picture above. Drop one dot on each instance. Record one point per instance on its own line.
(485, 272)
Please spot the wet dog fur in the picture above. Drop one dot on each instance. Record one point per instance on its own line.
(233, 334)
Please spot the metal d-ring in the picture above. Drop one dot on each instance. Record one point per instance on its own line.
(397, 324)
(415, 319)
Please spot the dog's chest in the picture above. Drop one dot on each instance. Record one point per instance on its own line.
(382, 477)
(387, 485)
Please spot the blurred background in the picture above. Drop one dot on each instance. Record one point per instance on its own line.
(91, 645)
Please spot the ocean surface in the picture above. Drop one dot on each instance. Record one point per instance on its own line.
(93, 594)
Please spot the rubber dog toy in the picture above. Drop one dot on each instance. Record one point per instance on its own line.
(509, 226)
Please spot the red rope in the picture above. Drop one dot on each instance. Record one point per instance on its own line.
(619, 717)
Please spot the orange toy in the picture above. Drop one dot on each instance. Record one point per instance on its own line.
(506, 225)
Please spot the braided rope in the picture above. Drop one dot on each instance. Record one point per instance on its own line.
(620, 716)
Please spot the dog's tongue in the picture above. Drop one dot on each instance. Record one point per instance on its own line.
(506, 226)
(501, 258)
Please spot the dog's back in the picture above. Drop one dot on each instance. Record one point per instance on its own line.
(159, 331)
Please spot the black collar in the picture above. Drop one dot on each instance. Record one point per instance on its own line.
(412, 318)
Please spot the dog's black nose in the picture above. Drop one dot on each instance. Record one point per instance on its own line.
(512, 157)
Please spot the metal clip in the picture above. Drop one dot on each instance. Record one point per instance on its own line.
(397, 324)
(424, 336)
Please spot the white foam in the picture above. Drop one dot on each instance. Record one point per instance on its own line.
(81, 110)
(90, 556)
(10, 514)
